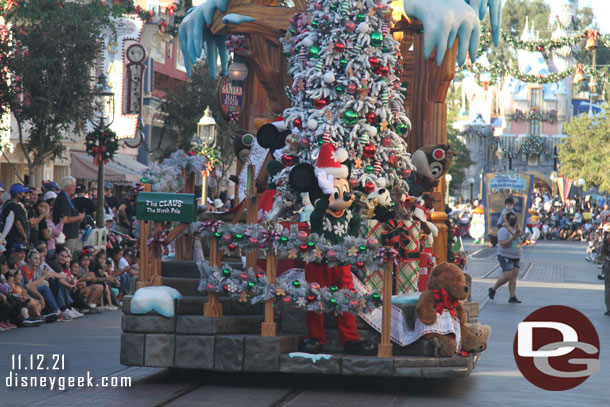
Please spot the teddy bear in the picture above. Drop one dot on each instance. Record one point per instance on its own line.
(446, 288)
(431, 163)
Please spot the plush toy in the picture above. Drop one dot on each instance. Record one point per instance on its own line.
(242, 144)
(431, 163)
(446, 288)
(332, 218)
(421, 209)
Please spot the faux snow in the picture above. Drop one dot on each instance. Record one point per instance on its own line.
(159, 299)
(313, 357)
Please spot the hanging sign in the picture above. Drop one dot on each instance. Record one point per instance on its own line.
(230, 99)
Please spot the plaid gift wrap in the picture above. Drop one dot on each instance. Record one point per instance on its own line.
(404, 237)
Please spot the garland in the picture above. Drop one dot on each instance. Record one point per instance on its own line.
(531, 146)
(499, 71)
(550, 116)
(236, 44)
(256, 288)
(544, 45)
(213, 157)
(298, 245)
(473, 131)
(159, 241)
(101, 144)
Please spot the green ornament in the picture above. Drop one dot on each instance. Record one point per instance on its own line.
(343, 62)
(333, 288)
(362, 248)
(320, 142)
(360, 17)
(314, 24)
(293, 31)
(339, 89)
(376, 38)
(369, 169)
(334, 6)
(251, 284)
(239, 236)
(296, 283)
(420, 31)
(144, 180)
(350, 117)
(401, 128)
(385, 50)
(333, 301)
(217, 235)
(226, 272)
(314, 52)
(284, 239)
(311, 244)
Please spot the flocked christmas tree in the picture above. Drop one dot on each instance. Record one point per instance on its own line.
(346, 89)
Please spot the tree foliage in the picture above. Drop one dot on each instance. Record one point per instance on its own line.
(586, 151)
(47, 54)
(183, 107)
(462, 161)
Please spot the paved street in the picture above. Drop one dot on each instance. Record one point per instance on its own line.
(552, 273)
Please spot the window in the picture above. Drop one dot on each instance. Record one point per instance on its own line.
(535, 98)
(535, 127)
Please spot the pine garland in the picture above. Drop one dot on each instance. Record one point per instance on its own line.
(521, 115)
(298, 245)
(531, 146)
(256, 288)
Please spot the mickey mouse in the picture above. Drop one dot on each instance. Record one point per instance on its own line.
(333, 219)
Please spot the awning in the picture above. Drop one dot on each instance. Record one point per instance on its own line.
(122, 169)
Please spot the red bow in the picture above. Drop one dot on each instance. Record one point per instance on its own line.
(445, 301)
(426, 210)
(593, 34)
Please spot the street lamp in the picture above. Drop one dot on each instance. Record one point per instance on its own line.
(581, 185)
(471, 182)
(105, 96)
(206, 135)
(238, 71)
(448, 179)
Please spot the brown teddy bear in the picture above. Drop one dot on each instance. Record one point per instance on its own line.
(446, 288)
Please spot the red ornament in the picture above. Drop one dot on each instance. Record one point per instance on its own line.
(387, 141)
(232, 247)
(351, 88)
(369, 150)
(360, 265)
(320, 103)
(392, 158)
(311, 298)
(318, 6)
(243, 276)
(373, 62)
(298, 123)
(383, 70)
(353, 183)
(339, 47)
(540, 48)
(369, 187)
(288, 160)
(286, 300)
(350, 26)
(370, 117)
(192, 153)
(302, 235)
(303, 247)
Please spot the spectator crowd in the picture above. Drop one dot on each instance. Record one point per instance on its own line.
(49, 271)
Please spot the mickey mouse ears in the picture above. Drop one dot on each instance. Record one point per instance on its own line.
(272, 135)
(302, 177)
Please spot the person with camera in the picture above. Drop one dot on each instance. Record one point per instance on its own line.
(509, 254)
(64, 209)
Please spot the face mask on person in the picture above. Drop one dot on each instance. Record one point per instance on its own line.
(512, 222)
(509, 207)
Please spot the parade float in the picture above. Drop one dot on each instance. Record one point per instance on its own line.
(348, 220)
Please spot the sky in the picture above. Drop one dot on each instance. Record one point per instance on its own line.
(601, 9)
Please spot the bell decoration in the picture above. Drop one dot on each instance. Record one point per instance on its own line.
(592, 37)
(579, 75)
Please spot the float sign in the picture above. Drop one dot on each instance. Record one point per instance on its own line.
(161, 206)
(231, 98)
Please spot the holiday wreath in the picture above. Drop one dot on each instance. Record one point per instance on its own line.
(102, 144)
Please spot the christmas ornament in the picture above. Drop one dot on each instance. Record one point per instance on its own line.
(312, 124)
(360, 17)
(318, 6)
(372, 243)
(314, 52)
(371, 117)
(351, 88)
(405, 173)
(376, 38)
(401, 128)
(377, 167)
(350, 117)
(350, 26)
(343, 62)
(369, 150)
(369, 187)
(302, 235)
(387, 141)
(373, 61)
(339, 47)
(288, 160)
(339, 89)
(305, 143)
(253, 242)
(298, 123)
(329, 77)
(320, 103)
(315, 286)
(362, 28)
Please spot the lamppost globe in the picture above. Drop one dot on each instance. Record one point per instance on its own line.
(206, 128)
(581, 182)
(448, 177)
(471, 181)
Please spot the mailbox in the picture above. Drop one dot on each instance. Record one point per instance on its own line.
(162, 206)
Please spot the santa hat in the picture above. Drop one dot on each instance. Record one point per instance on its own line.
(330, 159)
